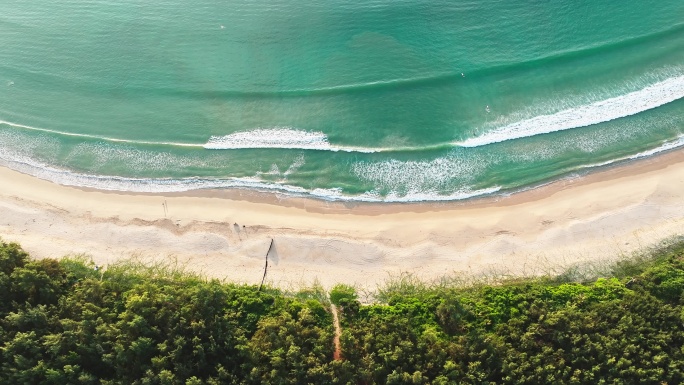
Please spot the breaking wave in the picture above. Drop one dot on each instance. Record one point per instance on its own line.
(667, 146)
(279, 137)
(653, 96)
(43, 171)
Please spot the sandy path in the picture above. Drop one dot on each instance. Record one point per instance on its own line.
(226, 234)
(337, 353)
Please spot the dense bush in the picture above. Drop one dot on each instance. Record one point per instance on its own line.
(65, 322)
(342, 295)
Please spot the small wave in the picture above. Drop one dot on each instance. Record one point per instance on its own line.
(579, 52)
(96, 137)
(435, 197)
(410, 197)
(651, 97)
(667, 146)
(378, 85)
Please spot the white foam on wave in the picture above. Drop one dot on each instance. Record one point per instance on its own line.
(27, 165)
(292, 168)
(632, 103)
(296, 164)
(435, 197)
(425, 175)
(393, 197)
(99, 156)
(146, 185)
(418, 181)
(667, 146)
(278, 137)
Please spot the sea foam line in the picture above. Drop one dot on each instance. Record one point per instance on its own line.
(164, 185)
(653, 96)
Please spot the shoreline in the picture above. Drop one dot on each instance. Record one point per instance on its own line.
(225, 233)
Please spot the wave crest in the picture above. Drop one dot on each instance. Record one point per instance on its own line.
(278, 137)
(632, 103)
(94, 137)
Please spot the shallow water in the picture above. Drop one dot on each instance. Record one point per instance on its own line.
(379, 100)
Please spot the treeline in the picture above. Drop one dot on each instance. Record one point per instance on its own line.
(66, 322)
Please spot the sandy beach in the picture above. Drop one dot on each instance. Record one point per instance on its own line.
(226, 234)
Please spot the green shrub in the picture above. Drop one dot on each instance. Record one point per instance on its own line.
(64, 323)
(343, 294)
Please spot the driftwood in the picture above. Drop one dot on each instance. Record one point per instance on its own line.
(266, 265)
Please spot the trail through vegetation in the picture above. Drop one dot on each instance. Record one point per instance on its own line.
(337, 354)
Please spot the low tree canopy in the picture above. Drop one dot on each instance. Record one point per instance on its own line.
(65, 322)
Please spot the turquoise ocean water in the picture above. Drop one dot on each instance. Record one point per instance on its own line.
(379, 100)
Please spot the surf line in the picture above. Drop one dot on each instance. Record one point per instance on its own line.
(291, 138)
(96, 137)
(664, 147)
(274, 138)
(632, 103)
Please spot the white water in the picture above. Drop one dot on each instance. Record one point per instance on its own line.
(279, 137)
(28, 166)
(667, 146)
(632, 103)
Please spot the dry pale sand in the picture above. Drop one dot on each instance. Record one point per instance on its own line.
(226, 234)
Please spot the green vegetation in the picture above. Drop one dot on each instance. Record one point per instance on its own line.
(65, 322)
(343, 295)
